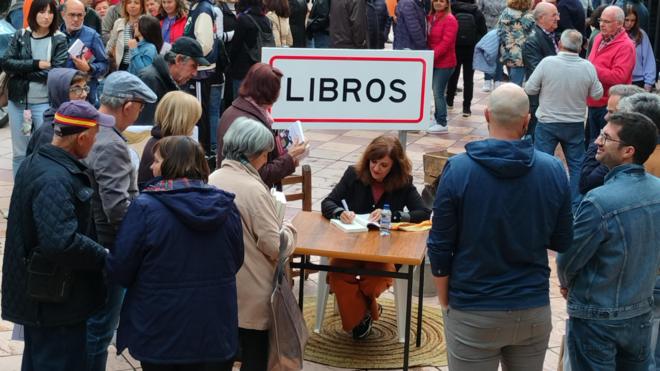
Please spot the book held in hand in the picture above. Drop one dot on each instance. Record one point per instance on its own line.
(292, 135)
(361, 223)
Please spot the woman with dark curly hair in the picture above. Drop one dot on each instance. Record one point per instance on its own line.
(382, 176)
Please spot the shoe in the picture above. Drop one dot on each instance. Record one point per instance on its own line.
(363, 329)
(437, 129)
(450, 107)
(467, 113)
(459, 89)
(488, 86)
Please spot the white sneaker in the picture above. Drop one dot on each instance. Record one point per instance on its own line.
(437, 129)
(488, 86)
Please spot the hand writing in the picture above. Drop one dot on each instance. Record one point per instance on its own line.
(347, 217)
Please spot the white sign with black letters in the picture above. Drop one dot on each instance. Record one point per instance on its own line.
(353, 89)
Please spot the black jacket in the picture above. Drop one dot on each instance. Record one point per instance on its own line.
(319, 17)
(297, 22)
(158, 78)
(23, 69)
(245, 38)
(593, 172)
(50, 212)
(360, 200)
(537, 46)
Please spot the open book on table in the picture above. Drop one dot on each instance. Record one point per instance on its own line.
(361, 223)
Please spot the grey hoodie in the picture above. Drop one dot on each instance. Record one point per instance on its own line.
(59, 81)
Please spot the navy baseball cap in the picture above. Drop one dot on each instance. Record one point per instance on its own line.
(78, 115)
(190, 48)
(125, 85)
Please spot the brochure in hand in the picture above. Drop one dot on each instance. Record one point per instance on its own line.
(361, 223)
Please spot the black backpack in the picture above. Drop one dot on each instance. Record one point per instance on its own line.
(467, 29)
(264, 39)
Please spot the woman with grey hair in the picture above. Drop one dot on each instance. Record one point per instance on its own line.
(245, 150)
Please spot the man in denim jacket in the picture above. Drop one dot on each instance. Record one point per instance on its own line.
(610, 270)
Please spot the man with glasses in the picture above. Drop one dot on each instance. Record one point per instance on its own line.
(613, 56)
(64, 84)
(92, 59)
(609, 273)
(114, 179)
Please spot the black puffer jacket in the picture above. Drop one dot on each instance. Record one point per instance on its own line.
(245, 39)
(22, 68)
(157, 77)
(50, 211)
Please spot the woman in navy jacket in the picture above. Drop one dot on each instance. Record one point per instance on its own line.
(178, 252)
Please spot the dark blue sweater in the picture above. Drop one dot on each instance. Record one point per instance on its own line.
(498, 208)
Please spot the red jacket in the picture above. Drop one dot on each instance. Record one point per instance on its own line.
(442, 40)
(614, 64)
(176, 30)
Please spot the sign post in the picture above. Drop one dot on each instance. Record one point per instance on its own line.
(353, 89)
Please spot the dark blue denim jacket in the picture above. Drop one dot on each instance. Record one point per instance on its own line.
(611, 268)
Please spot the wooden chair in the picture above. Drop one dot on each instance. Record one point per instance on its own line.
(305, 195)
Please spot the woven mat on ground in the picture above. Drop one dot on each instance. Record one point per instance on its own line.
(381, 350)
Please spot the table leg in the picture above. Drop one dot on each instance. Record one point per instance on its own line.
(406, 343)
(301, 286)
(420, 304)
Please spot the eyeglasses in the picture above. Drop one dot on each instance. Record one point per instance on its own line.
(606, 138)
(75, 15)
(79, 90)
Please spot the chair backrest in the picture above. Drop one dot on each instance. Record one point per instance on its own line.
(305, 194)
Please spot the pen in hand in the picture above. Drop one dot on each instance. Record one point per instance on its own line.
(346, 216)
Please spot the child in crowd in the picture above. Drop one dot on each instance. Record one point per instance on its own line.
(101, 7)
(148, 41)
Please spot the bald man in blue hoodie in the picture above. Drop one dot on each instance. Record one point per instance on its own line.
(498, 208)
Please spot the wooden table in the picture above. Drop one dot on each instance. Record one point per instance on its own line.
(316, 236)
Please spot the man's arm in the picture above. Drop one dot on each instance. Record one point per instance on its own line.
(533, 84)
(562, 236)
(57, 229)
(532, 54)
(100, 64)
(204, 32)
(112, 172)
(596, 90)
(588, 234)
(357, 17)
(444, 234)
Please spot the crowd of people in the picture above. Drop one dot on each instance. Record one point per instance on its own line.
(102, 240)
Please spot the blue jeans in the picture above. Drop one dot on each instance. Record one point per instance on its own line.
(570, 136)
(19, 140)
(655, 329)
(499, 72)
(59, 348)
(610, 344)
(319, 40)
(16, 18)
(101, 328)
(517, 75)
(215, 110)
(595, 122)
(441, 77)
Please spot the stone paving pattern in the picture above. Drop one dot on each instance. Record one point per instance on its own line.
(331, 152)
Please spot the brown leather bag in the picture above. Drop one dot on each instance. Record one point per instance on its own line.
(4, 89)
(288, 332)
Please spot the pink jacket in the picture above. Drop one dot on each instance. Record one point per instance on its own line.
(442, 40)
(614, 64)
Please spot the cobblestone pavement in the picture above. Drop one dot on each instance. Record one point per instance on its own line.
(331, 152)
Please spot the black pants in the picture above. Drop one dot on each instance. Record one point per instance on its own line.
(211, 366)
(55, 348)
(463, 59)
(254, 349)
(202, 90)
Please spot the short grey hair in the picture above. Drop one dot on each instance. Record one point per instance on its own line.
(645, 103)
(571, 40)
(619, 15)
(170, 57)
(63, 6)
(541, 10)
(113, 102)
(245, 139)
(624, 90)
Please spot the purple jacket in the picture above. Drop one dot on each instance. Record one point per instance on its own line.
(410, 27)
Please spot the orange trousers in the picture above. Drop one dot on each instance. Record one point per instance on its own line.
(356, 295)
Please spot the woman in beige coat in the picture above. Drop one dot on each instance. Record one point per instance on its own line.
(278, 13)
(245, 150)
(122, 36)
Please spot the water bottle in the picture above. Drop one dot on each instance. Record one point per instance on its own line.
(385, 220)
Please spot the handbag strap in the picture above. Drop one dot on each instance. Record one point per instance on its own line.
(281, 260)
